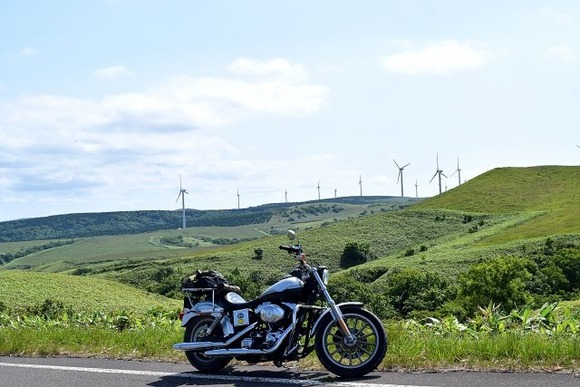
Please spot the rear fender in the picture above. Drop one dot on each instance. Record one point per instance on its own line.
(204, 308)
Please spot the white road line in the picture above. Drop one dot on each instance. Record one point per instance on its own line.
(250, 379)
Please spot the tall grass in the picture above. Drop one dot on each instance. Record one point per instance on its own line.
(543, 339)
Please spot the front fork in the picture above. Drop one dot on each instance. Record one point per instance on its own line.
(335, 310)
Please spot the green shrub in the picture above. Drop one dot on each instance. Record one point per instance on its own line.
(354, 253)
(501, 281)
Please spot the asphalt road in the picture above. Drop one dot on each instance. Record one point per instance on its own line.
(81, 372)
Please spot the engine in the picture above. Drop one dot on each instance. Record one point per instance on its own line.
(270, 313)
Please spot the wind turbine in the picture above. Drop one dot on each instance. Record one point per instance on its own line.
(182, 192)
(360, 183)
(458, 171)
(416, 189)
(238, 193)
(286, 195)
(438, 172)
(318, 186)
(400, 177)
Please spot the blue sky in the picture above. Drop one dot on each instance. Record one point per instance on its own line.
(105, 103)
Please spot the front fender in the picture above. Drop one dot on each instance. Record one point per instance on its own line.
(327, 311)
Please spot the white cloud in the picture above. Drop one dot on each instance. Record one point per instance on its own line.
(441, 58)
(561, 52)
(112, 72)
(28, 51)
(182, 102)
(276, 67)
(83, 145)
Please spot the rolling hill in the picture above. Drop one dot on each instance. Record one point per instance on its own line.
(552, 190)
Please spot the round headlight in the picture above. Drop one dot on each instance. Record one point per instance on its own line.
(325, 275)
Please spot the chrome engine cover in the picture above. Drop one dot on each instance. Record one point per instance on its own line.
(270, 313)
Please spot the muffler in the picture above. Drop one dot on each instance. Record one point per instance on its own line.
(198, 345)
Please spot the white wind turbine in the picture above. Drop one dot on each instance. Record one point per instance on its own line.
(182, 192)
(458, 171)
(438, 172)
(400, 176)
(360, 183)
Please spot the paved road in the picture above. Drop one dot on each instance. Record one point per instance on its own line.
(76, 372)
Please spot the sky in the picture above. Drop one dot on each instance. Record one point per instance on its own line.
(106, 104)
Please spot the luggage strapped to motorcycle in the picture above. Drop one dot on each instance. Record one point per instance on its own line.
(194, 295)
(204, 283)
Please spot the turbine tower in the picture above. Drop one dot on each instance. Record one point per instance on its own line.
(416, 189)
(438, 172)
(400, 176)
(286, 195)
(182, 192)
(360, 183)
(238, 193)
(318, 186)
(458, 171)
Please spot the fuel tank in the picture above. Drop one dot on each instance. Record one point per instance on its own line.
(287, 289)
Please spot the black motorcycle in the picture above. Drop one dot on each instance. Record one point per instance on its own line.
(286, 322)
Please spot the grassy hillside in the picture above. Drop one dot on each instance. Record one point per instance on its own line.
(553, 190)
(65, 254)
(504, 211)
(20, 289)
(134, 222)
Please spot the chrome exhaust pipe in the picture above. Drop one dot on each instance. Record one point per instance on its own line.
(247, 351)
(201, 345)
(197, 345)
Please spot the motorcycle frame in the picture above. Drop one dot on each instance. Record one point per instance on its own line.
(205, 308)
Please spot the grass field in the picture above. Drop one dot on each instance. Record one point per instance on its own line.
(21, 289)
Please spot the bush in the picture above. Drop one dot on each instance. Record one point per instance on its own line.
(501, 281)
(413, 290)
(354, 253)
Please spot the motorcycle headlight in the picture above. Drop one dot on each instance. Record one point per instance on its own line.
(325, 275)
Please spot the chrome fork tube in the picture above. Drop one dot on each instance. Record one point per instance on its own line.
(336, 313)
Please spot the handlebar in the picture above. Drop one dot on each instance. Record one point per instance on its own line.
(292, 249)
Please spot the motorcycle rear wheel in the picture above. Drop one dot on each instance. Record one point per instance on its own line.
(351, 359)
(196, 330)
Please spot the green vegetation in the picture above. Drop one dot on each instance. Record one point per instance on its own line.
(467, 278)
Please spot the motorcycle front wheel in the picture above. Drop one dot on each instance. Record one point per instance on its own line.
(196, 330)
(351, 358)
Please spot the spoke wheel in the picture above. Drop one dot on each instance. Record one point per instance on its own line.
(195, 331)
(355, 357)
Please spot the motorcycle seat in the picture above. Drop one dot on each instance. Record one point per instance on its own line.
(235, 301)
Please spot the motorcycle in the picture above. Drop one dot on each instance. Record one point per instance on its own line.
(288, 321)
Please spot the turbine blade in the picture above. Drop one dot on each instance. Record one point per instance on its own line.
(405, 166)
(178, 195)
(396, 164)
(433, 176)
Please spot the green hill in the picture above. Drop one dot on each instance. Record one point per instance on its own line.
(21, 289)
(134, 222)
(506, 211)
(552, 190)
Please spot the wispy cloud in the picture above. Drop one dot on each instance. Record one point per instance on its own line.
(112, 72)
(440, 58)
(28, 51)
(277, 67)
(137, 136)
(561, 52)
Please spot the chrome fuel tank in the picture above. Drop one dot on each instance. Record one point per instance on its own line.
(288, 288)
